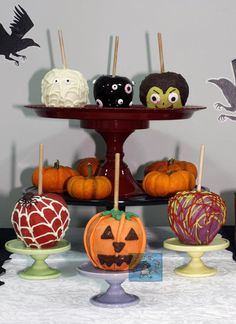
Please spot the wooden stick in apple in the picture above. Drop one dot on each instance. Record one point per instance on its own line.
(62, 49)
(40, 183)
(202, 153)
(116, 181)
(161, 55)
(115, 56)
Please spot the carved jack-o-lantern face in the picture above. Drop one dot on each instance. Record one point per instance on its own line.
(115, 243)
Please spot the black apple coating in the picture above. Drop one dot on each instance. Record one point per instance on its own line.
(111, 91)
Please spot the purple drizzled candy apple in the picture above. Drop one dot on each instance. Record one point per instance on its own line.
(196, 216)
(112, 91)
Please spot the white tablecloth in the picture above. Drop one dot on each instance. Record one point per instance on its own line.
(65, 300)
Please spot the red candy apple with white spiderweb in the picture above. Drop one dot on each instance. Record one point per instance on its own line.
(40, 221)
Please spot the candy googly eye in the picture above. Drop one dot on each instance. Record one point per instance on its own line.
(67, 81)
(155, 98)
(114, 87)
(120, 101)
(128, 88)
(99, 103)
(173, 97)
(56, 81)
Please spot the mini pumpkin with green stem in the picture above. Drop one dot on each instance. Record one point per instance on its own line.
(90, 187)
(54, 177)
(171, 165)
(161, 184)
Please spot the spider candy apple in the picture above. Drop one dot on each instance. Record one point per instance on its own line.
(40, 221)
(64, 88)
(196, 216)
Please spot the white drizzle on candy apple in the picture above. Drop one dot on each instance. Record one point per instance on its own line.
(40, 221)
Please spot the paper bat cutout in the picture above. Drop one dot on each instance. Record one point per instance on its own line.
(11, 44)
(228, 89)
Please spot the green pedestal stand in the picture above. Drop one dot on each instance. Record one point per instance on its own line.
(39, 269)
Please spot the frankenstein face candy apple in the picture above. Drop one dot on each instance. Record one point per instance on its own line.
(40, 221)
(115, 240)
(164, 90)
(114, 91)
(64, 88)
(196, 216)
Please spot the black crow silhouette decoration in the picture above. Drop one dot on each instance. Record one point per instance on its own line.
(228, 89)
(11, 44)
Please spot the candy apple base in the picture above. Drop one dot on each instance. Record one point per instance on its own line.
(115, 296)
(39, 270)
(115, 125)
(196, 267)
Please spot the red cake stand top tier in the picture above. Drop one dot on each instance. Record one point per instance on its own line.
(115, 125)
(136, 112)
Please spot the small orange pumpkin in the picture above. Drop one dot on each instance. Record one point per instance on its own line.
(115, 240)
(54, 177)
(91, 187)
(82, 167)
(171, 165)
(161, 184)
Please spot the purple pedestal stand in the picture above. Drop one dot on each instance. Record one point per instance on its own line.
(115, 296)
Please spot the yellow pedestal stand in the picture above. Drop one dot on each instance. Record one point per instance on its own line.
(196, 267)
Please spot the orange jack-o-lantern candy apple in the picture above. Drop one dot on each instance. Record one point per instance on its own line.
(40, 221)
(115, 240)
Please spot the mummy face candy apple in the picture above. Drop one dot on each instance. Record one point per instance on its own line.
(114, 91)
(64, 88)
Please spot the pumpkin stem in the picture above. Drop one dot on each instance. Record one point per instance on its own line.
(169, 172)
(170, 161)
(116, 213)
(56, 164)
(90, 170)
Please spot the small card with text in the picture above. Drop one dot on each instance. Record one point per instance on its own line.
(150, 268)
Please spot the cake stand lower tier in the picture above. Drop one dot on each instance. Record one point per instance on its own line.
(39, 269)
(115, 296)
(196, 267)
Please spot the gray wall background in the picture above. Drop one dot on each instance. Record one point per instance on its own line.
(199, 42)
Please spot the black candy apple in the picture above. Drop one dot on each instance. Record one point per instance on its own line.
(112, 91)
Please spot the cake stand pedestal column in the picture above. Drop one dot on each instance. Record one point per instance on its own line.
(115, 296)
(39, 269)
(196, 267)
(115, 132)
